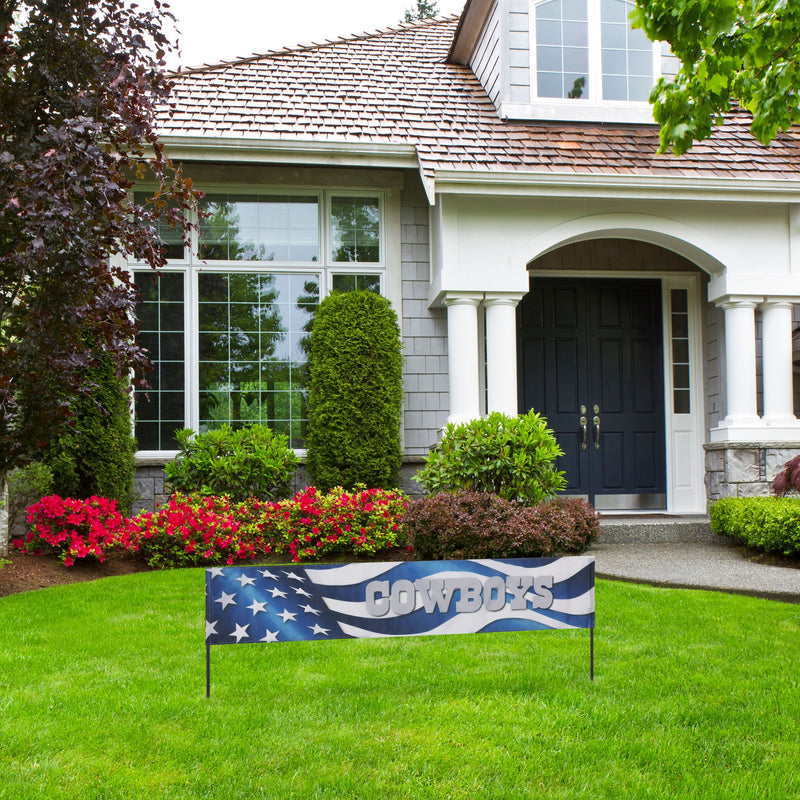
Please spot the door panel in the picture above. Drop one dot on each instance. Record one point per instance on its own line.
(597, 345)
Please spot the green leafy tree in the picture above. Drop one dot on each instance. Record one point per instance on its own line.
(731, 51)
(355, 392)
(79, 85)
(97, 455)
(423, 10)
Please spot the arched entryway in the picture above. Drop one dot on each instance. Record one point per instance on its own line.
(605, 353)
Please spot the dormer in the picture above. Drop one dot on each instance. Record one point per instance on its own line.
(568, 60)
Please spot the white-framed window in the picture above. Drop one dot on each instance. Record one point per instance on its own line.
(225, 323)
(588, 63)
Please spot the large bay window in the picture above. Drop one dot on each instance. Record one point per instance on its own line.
(225, 321)
(587, 59)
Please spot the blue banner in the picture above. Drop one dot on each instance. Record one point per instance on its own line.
(416, 598)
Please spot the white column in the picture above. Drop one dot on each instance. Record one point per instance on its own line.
(776, 349)
(501, 353)
(740, 363)
(463, 363)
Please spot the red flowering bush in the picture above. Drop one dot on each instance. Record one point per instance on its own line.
(313, 524)
(194, 529)
(72, 529)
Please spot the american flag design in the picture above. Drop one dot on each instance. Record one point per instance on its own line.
(356, 601)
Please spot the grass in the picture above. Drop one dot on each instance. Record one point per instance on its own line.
(102, 695)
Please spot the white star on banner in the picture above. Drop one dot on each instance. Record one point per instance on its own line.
(240, 633)
(216, 572)
(272, 636)
(267, 574)
(257, 606)
(287, 615)
(246, 580)
(293, 576)
(277, 592)
(226, 600)
(211, 627)
(303, 592)
(317, 629)
(307, 608)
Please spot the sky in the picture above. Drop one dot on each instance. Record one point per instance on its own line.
(217, 30)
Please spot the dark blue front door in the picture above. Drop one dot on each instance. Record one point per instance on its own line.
(591, 360)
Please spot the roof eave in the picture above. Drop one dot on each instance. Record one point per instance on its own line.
(259, 150)
(473, 18)
(641, 186)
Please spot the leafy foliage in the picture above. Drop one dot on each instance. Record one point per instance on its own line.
(355, 392)
(424, 10)
(744, 51)
(95, 455)
(195, 530)
(26, 485)
(766, 523)
(510, 456)
(483, 525)
(247, 462)
(313, 524)
(79, 85)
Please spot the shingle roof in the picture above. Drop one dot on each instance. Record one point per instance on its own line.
(395, 86)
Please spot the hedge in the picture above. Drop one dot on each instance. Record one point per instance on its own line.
(771, 524)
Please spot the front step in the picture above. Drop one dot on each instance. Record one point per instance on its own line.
(653, 528)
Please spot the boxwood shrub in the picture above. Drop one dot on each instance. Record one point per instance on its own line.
(771, 524)
(248, 462)
(484, 525)
(513, 457)
(355, 395)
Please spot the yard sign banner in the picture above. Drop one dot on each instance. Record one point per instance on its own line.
(415, 598)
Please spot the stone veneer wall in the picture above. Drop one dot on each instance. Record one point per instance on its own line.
(744, 469)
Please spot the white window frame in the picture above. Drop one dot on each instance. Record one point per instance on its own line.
(593, 108)
(191, 266)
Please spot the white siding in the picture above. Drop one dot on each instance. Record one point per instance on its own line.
(519, 57)
(485, 61)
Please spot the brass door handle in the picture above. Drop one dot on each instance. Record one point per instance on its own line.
(585, 429)
(596, 423)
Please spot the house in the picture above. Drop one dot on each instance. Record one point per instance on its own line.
(495, 175)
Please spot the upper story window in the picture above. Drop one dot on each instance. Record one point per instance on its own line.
(588, 63)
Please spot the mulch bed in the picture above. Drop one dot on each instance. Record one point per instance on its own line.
(26, 572)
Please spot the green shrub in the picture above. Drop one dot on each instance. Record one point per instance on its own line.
(26, 485)
(483, 525)
(96, 457)
(248, 462)
(355, 392)
(766, 523)
(510, 456)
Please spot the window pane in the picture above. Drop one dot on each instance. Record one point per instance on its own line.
(355, 229)
(562, 53)
(615, 10)
(627, 54)
(160, 311)
(575, 9)
(171, 238)
(246, 359)
(259, 228)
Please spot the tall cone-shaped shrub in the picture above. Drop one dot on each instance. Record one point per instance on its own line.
(355, 392)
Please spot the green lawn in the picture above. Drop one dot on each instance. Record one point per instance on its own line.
(102, 695)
